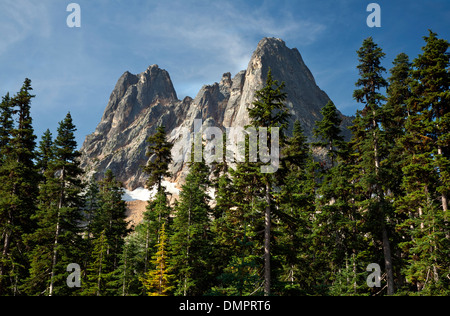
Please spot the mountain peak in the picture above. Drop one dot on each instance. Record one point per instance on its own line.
(271, 41)
(139, 103)
(271, 46)
(153, 66)
(286, 63)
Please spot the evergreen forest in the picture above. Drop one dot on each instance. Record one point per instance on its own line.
(311, 229)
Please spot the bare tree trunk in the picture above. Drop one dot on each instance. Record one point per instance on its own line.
(7, 242)
(7, 237)
(354, 271)
(387, 253)
(385, 237)
(55, 249)
(388, 262)
(124, 272)
(444, 196)
(187, 249)
(422, 225)
(445, 205)
(55, 256)
(146, 248)
(99, 279)
(267, 228)
(375, 144)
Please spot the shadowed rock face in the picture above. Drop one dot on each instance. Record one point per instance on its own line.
(140, 103)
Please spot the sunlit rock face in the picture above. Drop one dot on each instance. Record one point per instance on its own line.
(140, 103)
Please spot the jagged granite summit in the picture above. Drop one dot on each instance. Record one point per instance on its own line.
(139, 103)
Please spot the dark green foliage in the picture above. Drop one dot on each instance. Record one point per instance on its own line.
(426, 170)
(237, 242)
(191, 240)
(268, 108)
(6, 125)
(296, 206)
(97, 272)
(160, 158)
(370, 146)
(106, 229)
(110, 219)
(269, 111)
(57, 240)
(329, 132)
(19, 189)
(311, 228)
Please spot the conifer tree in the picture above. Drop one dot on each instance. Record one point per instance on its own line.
(111, 217)
(191, 240)
(91, 210)
(105, 214)
(59, 217)
(45, 152)
(329, 132)
(130, 267)
(158, 210)
(19, 187)
(221, 181)
(269, 111)
(295, 209)
(432, 100)
(371, 147)
(394, 118)
(6, 125)
(236, 239)
(395, 115)
(223, 195)
(426, 168)
(97, 274)
(333, 225)
(159, 151)
(398, 92)
(158, 280)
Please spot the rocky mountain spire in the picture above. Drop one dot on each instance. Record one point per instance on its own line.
(139, 103)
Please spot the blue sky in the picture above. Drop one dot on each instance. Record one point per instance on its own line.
(75, 69)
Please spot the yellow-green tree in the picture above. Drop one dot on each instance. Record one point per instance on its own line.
(157, 282)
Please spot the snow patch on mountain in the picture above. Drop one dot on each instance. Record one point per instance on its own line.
(142, 194)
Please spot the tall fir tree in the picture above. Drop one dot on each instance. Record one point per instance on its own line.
(191, 240)
(334, 231)
(97, 273)
(111, 217)
(45, 152)
(105, 225)
(158, 210)
(6, 125)
(19, 188)
(131, 267)
(426, 169)
(371, 148)
(159, 151)
(237, 240)
(296, 205)
(269, 111)
(158, 280)
(432, 99)
(58, 240)
(396, 113)
(329, 132)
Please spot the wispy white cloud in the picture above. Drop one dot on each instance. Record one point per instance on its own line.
(195, 40)
(202, 39)
(19, 19)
